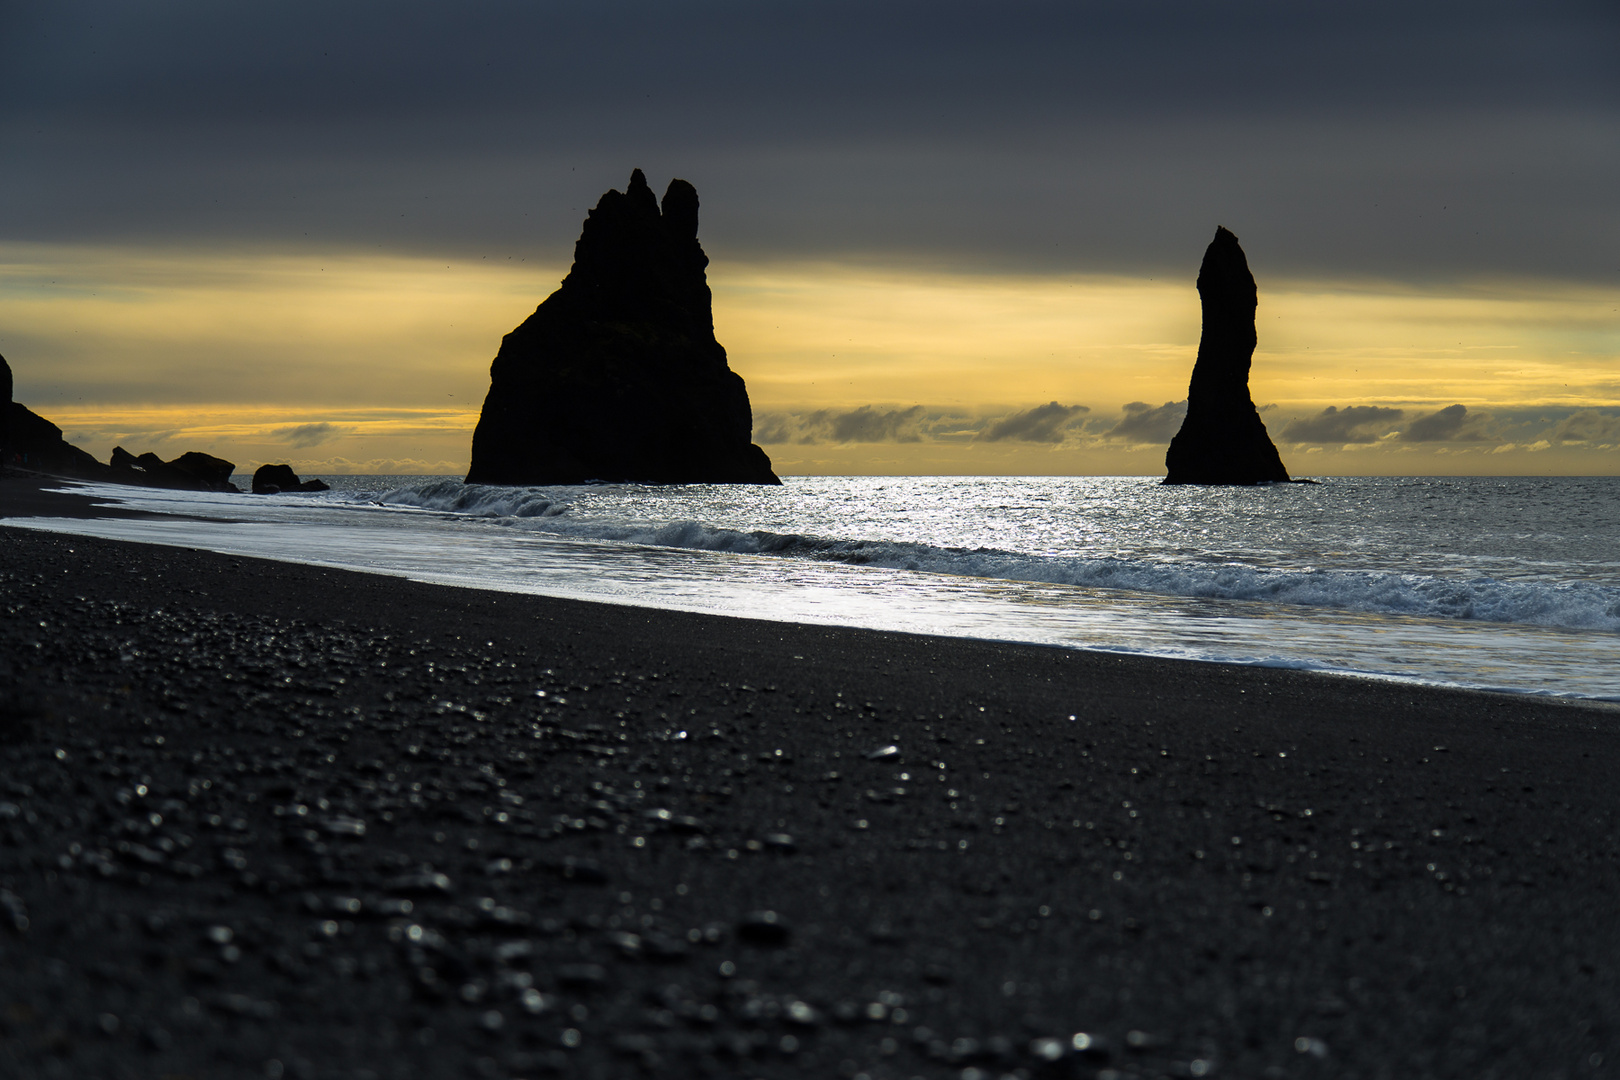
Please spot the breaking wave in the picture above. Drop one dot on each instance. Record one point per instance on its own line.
(476, 500)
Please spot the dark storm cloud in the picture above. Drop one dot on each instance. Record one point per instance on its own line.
(1353, 424)
(1148, 423)
(1454, 423)
(1044, 423)
(1382, 138)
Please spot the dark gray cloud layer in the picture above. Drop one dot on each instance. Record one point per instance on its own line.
(1379, 138)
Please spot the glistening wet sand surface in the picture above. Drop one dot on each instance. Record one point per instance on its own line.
(261, 819)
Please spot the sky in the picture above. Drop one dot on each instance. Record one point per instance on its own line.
(944, 237)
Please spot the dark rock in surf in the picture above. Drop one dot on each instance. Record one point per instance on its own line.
(617, 376)
(1223, 440)
(274, 479)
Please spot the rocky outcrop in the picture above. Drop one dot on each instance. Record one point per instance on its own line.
(191, 471)
(5, 410)
(617, 376)
(275, 479)
(30, 441)
(33, 442)
(211, 470)
(1223, 440)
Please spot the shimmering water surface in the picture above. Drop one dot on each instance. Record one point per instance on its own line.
(1504, 583)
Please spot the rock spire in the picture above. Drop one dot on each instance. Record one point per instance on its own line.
(1223, 440)
(617, 376)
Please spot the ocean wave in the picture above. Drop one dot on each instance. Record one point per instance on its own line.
(477, 500)
(1570, 605)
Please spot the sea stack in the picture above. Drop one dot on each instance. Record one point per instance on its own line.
(5, 410)
(617, 376)
(1223, 440)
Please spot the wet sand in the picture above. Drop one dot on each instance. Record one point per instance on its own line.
(260, 819)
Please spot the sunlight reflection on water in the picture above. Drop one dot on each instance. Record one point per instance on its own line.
(433, 547)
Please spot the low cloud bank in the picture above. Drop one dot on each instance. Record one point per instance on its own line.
(1363, 424)
(1047, 423)
(1149, 423)
(1587, 426)
(1352, 424)
(1138, 425)
(1052, 424)
(1453, 423)
(868, 424)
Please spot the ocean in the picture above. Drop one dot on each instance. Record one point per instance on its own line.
(1501, 583)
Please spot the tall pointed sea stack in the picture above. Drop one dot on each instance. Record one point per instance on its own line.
(1223, 440)
(617, 376)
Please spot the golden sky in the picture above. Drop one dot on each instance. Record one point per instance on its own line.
(348, 362)
(945, 237)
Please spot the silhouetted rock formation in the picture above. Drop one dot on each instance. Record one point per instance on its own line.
(1223, 440)
(274, 479)
(33, 442)
(211, 470)
(617, 376)
(5, 410)
(191, 471)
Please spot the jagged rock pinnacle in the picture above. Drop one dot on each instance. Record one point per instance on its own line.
(617, 376)
(1223, 440)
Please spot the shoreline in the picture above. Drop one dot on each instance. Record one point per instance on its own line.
(1087, 864)
(1517, 658)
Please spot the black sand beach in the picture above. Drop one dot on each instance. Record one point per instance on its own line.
(262, 820)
